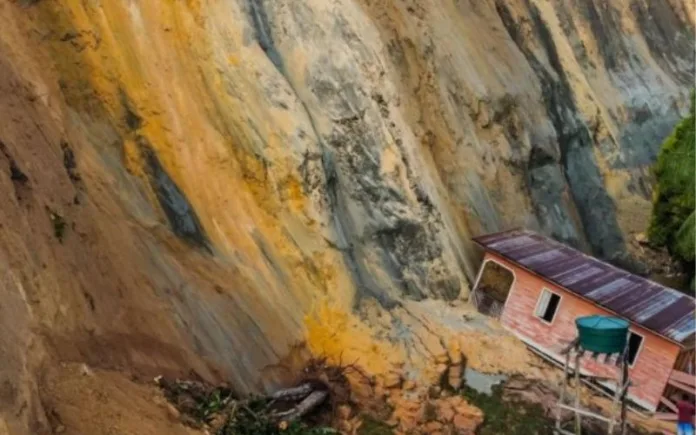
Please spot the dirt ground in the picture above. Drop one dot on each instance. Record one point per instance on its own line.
(80, 401)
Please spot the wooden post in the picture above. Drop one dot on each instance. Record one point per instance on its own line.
(578, 422)
(474, 292)
(619, 403)
(561, 399)
(624, 392)
(614, 407)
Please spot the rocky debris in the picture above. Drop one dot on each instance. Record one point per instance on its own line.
(85, 370)
(434, 409)
(421, 414)
(392, 380)
(456, 366)
(326, 396)
(641, 239)
(660, 265)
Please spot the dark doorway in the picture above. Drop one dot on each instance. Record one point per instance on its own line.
(493, 288)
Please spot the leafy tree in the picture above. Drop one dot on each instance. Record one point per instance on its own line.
(672, 222)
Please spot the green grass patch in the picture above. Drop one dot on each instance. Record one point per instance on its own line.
(59, 225)
(510, 418)
(246, 423)
(372, 426)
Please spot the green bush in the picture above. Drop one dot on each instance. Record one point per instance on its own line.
(672, 221)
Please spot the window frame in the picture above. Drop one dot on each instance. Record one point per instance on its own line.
(558, 307)
(640, 346)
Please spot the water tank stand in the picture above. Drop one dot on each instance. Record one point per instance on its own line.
(617, 418)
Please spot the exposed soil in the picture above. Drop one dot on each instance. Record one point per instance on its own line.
(81, 401)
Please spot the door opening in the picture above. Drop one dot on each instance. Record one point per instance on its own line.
(493, 288)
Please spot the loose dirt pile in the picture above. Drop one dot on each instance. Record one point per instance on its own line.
(79, 400)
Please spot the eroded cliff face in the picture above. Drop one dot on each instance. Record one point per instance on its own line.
(206, 185)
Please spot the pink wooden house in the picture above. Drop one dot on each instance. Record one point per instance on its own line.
(538, 287)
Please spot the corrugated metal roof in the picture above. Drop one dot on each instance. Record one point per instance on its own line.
(663, 310)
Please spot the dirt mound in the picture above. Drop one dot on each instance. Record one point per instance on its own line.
(79, 401)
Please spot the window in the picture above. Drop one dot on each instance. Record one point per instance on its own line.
(547, 305)
(635, 342)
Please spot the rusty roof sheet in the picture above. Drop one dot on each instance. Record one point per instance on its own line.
(663, 310)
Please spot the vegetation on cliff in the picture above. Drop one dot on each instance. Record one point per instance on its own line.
(672, 223)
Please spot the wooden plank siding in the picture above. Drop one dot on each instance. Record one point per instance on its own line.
(685, 361)
(683, 373)
(684, 378)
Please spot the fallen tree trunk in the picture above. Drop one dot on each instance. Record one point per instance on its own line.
(293, 393)
(303, 408)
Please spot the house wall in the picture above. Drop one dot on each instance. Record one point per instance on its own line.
(654, 361)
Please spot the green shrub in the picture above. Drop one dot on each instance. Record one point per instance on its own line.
(672, 221)
(59, 225)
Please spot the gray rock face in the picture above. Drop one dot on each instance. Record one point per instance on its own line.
(562, 137)
(181, 216)
(638, 142)
(376, 226)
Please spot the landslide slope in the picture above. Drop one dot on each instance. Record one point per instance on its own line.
(205, 185)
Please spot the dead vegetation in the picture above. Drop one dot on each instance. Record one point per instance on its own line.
(320, 398)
